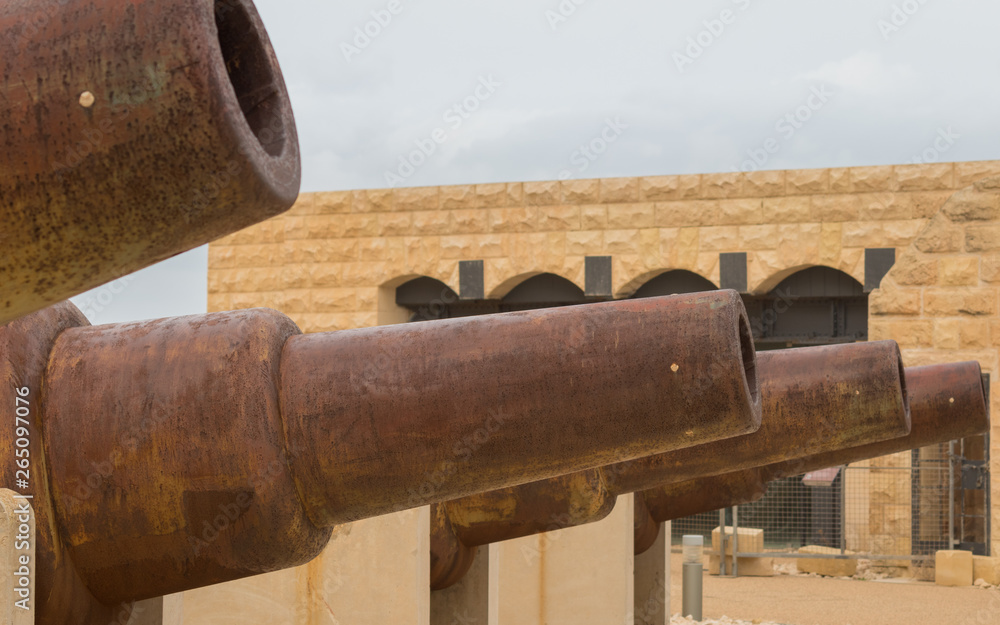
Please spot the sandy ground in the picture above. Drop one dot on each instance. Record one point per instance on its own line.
(793, 600)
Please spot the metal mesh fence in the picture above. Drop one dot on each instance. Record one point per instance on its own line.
(898, 507)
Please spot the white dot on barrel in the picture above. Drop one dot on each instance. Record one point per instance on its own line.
(675, 367)
(87, 99)
(951, 400)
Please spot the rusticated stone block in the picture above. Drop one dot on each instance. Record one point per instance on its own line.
(989, 269)
(885, 206)
(431, 222)
(333, 300)
(686, 213)
(764, 183)
(863, 234)
(594, 217)
(953, 568)
(866, 179)
(787, 210)
(418, 198)
(520, 219)
(740, 212)
(927, 204)
(947, 333)
(631, 215)
(751, 540)
(940, 236)
(542, 193)
(458, 196)
(759, 237)
(658, 188)
(831, 567)
(973, 205)
(968, 173)
(585, 243)
(840, 180)
(616, 190)
(559, 217)
(836, 208)
(395, 224)
(807, 181)
(469, 221)
(720, 239)
(909, 333)
(925, 177)
(982, 238)
(581, 191)
(958, 271)
(490, 195)
(621, 242)
(459, 247)
(954, 302)
(722, 185)
(689, 186)
(986, 569)
(890, 300)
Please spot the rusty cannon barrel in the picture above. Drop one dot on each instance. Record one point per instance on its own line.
(132, 130)
(815, 400)
(179, 453)
(947, 402)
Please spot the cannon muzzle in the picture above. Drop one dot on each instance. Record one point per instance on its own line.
(947, 402)
(180, 453)
(815, 400)
(133, 130)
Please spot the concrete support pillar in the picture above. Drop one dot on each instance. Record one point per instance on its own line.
(469, 602)
(652, 581)
(262, 600)
(374, 572)
(577, 576)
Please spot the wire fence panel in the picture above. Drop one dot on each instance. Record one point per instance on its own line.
(898, 507)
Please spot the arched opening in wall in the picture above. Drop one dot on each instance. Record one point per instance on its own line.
(674, 282)
(545, 290)
(815, 306)
(427, 299)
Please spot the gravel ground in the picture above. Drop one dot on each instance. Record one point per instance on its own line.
(813, 600)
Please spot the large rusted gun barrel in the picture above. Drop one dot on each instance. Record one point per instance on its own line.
(185, 452)
(132, 130)
(947, 402)
(815, 400)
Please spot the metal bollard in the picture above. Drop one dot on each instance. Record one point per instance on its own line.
(692, 575)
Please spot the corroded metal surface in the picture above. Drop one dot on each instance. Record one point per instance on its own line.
(131, 131)
(685, 499)
(815, 400)
(544, 391)
(947, 402)
(179, 453)
(60, 594)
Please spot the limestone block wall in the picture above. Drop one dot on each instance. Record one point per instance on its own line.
(940, 300)
(324, 262)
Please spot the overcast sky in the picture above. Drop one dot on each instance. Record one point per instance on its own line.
(546, 89)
